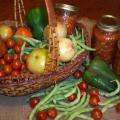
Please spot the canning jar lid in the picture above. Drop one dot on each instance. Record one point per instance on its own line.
(66, 7)
(109, 23)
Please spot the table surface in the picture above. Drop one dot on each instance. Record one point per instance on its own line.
(16, 108)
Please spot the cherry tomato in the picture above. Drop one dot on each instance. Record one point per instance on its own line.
(94, 91)
(96, 114)
(2, 62)
(10, 43)
(34, 101)
(15, 72)
(17, 48)
(23, 66)
(83, 86)
(16, 64)
(7, 69)
(94, 100)
(77, 74)
(24, 57)
(16, 56)
(52, 112)
(3, 48)
(72, 97)
(117, 107)
(41, 115)
(2, 73)
(23, 31)
(8, 58)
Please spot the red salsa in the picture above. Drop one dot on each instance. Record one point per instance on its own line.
(105, 37)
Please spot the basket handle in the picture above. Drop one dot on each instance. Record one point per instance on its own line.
(19, 12)
(53, 54)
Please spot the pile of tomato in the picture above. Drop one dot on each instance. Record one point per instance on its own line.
(10, 62)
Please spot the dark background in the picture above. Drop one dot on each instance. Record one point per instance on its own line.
(88, 8)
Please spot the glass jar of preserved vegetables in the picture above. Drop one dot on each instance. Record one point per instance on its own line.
(105, 36)
(67, 14)
(116, 60)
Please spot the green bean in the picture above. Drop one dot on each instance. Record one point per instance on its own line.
(110, 100)
(85, 117)
(87, 101)
(61, 115)
(70, 92)
(74, 102)
(43, 101)
(22, 51)
(107, 107)
(115, 92)
(76, 113)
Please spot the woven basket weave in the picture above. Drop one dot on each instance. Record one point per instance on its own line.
(26, 83)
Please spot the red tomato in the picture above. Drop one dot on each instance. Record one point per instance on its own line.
(8, 58)
(96, 114)
(83, 86)
(7, 69)
(17, 49)
(3, 48)
(23, 31)
(94, 91)
(16, 64)
(2, 73)
(24, 57)
(10, 43)
(94, 100)
(118, 107)
(34, 101)
(52, 112)
(72, 97)
(2, 61)
(16, 56)
(15, 72)
(77, 74)
(42, 115)
(23, 66)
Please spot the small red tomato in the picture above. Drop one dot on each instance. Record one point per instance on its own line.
(8, 58)
(117, 107)
(24, 57)
(23, 66)
(83, 86)
(52, 112)
(7, 69)
(96, 114)
(10, 43)
(94, 100)
(16, 56)
(41, 115)
(72, 97)
(16, 64)
(34, 101)
(77, 74)
(94, 91)
(17, 48)
(2, 62)
(15, 72)
(2, 73)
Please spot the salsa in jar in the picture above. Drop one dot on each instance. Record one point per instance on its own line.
(67, 14)
(105, 37)
(116, 60)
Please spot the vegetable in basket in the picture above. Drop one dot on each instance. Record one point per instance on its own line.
(37, 19)
(100, 75)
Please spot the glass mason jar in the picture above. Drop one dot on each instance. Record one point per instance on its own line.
(67, 14)
(105, 36)
(116, 60)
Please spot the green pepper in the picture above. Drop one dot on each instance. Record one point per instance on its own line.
(100, 75)
(37, 19)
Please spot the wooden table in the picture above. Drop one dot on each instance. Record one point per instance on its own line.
(16, 108)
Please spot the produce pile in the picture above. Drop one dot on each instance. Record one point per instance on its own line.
(80, 96)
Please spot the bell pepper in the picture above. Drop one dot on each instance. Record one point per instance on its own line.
(37, 19)
(100, 75)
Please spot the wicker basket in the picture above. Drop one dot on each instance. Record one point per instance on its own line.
(26, 83)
